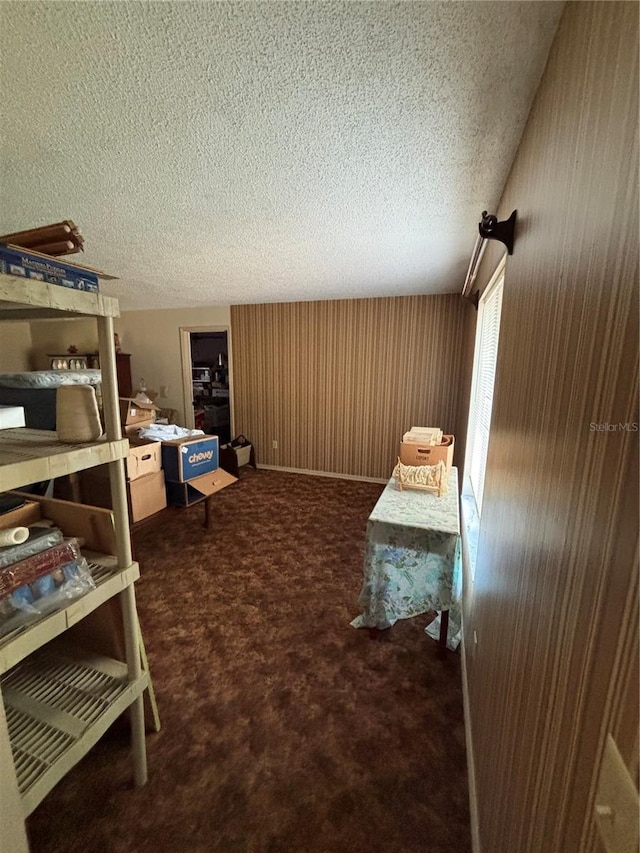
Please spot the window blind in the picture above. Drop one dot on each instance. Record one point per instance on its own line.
(484, 373)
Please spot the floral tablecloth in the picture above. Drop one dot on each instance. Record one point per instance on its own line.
(412, 558)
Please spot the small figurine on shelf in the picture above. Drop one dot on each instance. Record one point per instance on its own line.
(72, 350)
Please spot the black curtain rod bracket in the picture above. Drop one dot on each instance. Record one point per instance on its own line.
(491, 229)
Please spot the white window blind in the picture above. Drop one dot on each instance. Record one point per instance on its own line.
(484, 373)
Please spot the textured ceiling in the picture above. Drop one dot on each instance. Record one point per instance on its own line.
(219, 153)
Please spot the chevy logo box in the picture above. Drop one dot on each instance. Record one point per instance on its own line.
(187, 458)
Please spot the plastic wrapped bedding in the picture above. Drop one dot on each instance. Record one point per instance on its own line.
(49, 378)
(167, 432)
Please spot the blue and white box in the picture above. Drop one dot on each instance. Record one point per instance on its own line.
(187, 458)
(22, 262)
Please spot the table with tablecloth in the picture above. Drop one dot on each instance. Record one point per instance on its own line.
(412, 561)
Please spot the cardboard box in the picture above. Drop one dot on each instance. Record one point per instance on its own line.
(133, 412)
(130, 431)
(146, 495)
(11, 417)
(22, 516)
(15, 260)
(192, 491)
(145, 457)
(427, 454)
(187, 458)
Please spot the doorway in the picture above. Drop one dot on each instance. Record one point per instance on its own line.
(206, 367)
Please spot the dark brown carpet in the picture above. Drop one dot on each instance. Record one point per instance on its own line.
(283, 728)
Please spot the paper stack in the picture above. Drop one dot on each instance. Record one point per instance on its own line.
(423, 435)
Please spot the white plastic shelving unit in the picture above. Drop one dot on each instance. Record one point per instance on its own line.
(56, 701)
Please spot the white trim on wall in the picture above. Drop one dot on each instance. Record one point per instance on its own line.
(185, 355)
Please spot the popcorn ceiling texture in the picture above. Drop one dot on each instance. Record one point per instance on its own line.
(223, 153)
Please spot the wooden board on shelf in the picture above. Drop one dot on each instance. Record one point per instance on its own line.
(22, 516)
(92, 524)
(81, 267)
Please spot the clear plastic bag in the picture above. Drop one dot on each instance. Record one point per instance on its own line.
(46, 593)
(29, 569)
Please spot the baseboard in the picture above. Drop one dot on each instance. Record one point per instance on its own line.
(323, 474)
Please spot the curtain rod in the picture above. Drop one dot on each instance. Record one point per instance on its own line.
(488, 229)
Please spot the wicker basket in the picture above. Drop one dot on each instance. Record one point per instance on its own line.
(77, 415)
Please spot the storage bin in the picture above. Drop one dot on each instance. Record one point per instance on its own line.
(186, 458)
(145, 457)
(428, 454)
(146, 494)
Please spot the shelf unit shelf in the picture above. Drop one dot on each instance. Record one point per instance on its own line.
(27, 299)
(33, 455)
(57, 702)
(58, 707)
(109, 580)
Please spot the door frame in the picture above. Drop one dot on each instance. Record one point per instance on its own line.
(185, 354)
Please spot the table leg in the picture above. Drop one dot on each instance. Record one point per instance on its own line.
(444, 630)
(207, 512)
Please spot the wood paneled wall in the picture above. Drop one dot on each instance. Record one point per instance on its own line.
(555, 601)
(337, 383)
